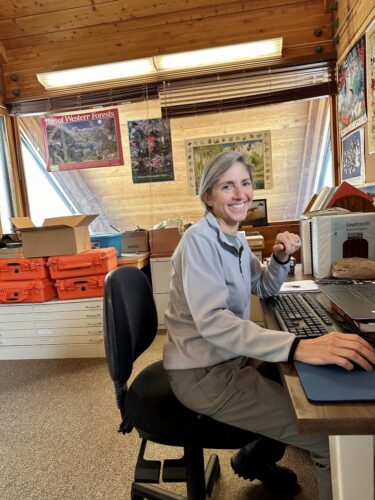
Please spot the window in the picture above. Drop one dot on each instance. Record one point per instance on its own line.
(6, 205)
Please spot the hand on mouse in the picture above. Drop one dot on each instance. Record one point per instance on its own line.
(342, 349)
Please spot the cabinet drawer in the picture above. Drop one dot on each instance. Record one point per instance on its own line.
(57, 331)
(160, 272)
(51, 323)
(22, 341)
(53, 306)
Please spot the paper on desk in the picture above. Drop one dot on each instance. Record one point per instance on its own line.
(303, 286)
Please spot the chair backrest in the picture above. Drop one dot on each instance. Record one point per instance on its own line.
(130, 320)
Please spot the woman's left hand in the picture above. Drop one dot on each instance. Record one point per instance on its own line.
(285, 245)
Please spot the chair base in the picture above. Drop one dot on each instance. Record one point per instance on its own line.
(195, 490)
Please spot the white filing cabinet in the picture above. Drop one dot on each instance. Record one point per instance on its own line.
(53, 329)
(160, 275)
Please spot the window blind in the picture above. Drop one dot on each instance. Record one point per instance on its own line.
(247, 88)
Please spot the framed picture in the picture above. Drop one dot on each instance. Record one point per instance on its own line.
(254, 146)
(151, 150)
(84, 140)
(257, 214)
(370, 86)
(351, 89)
(353, 158)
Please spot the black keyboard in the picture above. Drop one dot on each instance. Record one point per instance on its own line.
(300, 314)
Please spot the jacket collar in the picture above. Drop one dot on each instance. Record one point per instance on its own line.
(214, 224)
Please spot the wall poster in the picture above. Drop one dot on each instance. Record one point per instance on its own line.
(370, 86)
(353, 158)
(254, 146)
(351, 89)
(151, 150)
(84, 140)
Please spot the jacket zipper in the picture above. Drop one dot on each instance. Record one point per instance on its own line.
(239, 257)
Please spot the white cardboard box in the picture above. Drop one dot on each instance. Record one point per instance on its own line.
(340, 236)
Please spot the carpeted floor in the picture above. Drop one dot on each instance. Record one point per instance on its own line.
(59, 440)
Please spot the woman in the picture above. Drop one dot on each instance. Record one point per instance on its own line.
(213, 352)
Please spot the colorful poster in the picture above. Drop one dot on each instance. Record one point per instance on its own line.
(351, 88)
(353, 158)
(151, 150)
(254, 146)
(84, 140)
(370, 86)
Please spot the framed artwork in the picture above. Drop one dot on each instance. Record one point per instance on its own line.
(84, 140)
(254, 146)
(370, 86)
(257, 214)
(151, 150)
(353, 158)
(351, 89)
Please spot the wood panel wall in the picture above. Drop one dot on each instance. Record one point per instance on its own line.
(130, 205)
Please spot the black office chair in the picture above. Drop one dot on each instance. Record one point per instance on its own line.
(149, 405)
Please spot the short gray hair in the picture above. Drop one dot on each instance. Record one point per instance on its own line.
(216, 168)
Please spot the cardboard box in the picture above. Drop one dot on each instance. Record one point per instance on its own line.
(340, 236)
(134, 241)
(57, 235)
(163, 241)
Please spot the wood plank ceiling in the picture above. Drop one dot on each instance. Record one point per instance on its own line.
(49, 35)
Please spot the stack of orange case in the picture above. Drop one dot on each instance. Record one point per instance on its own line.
(25, 280)
(82, 275)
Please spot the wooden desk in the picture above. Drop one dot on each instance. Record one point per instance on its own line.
(350, 427)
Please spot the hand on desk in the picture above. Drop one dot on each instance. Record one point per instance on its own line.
(342, 349)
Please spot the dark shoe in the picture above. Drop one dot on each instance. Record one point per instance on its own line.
(275, 478)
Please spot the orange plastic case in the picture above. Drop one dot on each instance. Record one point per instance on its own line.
(20, 268)
(27, 291)
(92, 262)
(80, 287)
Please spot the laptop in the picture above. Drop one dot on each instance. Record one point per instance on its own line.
(356, 300)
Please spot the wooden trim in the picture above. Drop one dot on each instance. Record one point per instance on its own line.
(22, 202)
(335, 139)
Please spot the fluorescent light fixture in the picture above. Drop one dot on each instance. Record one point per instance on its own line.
(220, 55)
(101, 73)
(216, 56)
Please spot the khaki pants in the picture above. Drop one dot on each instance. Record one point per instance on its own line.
(237, 393)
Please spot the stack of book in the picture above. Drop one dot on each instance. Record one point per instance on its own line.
(330, 198)
(330, 201)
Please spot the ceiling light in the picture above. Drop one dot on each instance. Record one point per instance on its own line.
(161, 65)
(101, 73)
(220, 55)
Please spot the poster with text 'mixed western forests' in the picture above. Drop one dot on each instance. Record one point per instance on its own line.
(83, 140)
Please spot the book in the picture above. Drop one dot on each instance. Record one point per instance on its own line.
(345, 190)
(325, 211)
(310, 203)
(319, 201)
(306, 246)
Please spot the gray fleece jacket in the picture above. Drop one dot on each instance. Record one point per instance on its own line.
(207, 317)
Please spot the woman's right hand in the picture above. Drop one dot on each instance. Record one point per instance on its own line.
(343, 349)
